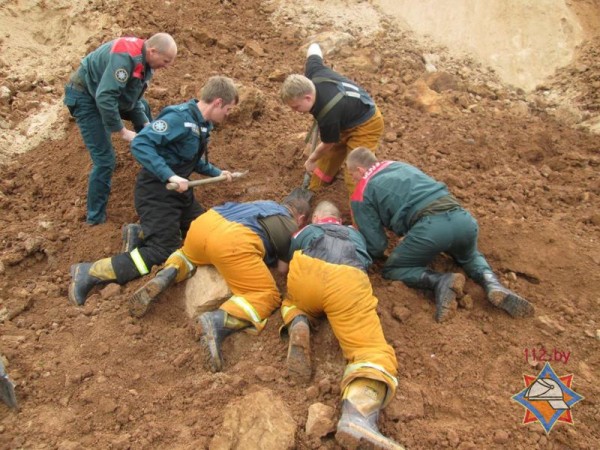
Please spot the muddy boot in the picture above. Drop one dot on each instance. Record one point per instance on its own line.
(7, 388)
(504, 298)
(357, 428)
(133, 236)
(142, 298)
(84, 276)
(298, 357)
(447, 287)
(214, 327)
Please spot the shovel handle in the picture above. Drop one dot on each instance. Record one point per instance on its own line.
(193, 183)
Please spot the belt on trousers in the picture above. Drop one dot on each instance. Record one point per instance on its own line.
(443, 204)
(77, 82)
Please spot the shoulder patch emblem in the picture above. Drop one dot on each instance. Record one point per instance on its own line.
(121, 75)
(160, 126)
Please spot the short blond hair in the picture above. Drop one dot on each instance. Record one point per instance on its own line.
(295, 86)
(220, 87)
(360, 157)
(326, 208)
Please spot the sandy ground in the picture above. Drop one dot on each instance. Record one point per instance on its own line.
(522, 162)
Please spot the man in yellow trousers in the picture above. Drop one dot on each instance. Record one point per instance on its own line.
(327, 276)
(345, 114)
(241, 240)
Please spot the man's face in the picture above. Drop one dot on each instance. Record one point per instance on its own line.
(220, 111)
(302, 104)
(158, 60)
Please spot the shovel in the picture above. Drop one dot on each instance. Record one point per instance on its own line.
(194, 183)
(303, 192)
(7, 388)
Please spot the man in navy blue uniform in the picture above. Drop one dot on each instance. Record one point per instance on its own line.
(107, 87)
(169, 150)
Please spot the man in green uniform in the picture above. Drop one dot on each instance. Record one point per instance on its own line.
(170, 149)
(401, 198)
(328, 277)
(107, 87)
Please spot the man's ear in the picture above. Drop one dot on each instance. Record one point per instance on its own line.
(302, 219)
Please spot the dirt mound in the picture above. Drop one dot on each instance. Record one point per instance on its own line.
(93, 377)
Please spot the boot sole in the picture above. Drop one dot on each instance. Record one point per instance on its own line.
(512, 304)
(354, 437)
(125, 239)
(298, 358)
(128, 238)
(208, 343)
(449, 304)
(71, 292)
(140, 301)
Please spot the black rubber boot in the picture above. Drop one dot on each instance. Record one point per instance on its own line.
(133, 236)
(84, 276)
(504, 298)
(142, 298)
(357, 427)
(447, 288)
(215, 326)
(298, 358)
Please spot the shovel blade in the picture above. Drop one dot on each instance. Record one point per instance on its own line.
(302, 193)
(7, 389)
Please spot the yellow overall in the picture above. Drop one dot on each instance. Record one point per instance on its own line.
(367, 135)
(344, 294)
(237, 253)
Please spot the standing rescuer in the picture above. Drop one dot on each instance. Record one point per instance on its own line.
(346, 115)
(399, 197)
(169, 150)
(328, 277)
(107, 87)
(241, 240)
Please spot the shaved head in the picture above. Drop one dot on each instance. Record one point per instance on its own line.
(163, 42)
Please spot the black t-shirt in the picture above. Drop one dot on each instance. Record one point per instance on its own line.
(347, 113)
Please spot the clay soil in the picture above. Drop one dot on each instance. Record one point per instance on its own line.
(92, 377)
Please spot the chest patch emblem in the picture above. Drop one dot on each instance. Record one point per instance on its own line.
(121, 75)
(160, 126)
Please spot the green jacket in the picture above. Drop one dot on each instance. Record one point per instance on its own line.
(389, 196)
(116, 74)
(307, 237)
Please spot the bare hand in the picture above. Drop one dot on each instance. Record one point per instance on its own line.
(227, 174)
(127, 135)
(181, 182)
(310, 165)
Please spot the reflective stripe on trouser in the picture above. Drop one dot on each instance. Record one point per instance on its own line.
(185, 267)
(139, 262)
(367, 135)
(97, 141)
(237, 253)
(164, 218)
(345, 295)
(454, 232)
